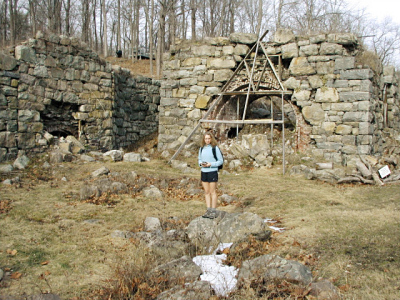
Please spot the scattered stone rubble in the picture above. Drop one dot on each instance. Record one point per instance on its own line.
(226, 227)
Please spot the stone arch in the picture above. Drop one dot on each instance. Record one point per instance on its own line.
(58, 120)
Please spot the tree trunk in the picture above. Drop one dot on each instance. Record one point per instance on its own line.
(259, 17)
(105, 51)
(13, 33)
(96, 41)
(151, 46)
(85, 21)
(67, 18)
(161, 38)
(119, 26)
(193, 9)
(32, 15)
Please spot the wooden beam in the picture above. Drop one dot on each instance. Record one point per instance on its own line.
(257, 121)
(269, 92)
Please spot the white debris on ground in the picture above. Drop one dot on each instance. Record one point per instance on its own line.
(271, 221)
(221, 277)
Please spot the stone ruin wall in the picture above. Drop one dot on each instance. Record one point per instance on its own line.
(338, 101)
(57, 85)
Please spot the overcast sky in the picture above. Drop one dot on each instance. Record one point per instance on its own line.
(379, 9)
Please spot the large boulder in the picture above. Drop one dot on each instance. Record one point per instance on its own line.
(272, 268)
(226, 228)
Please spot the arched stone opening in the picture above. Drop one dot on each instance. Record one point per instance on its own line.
(58, 120)
(259, 107)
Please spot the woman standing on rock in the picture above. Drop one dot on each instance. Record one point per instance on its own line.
(210, 158)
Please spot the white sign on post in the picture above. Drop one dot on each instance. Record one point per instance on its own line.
(384, 171)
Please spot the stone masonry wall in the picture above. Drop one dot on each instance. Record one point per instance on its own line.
(57, 85)
(339, 100)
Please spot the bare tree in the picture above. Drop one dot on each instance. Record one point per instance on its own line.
(85, 21)
(193, 10)
(67, 7)
(119, 25)
(104, 12)
(386, 41)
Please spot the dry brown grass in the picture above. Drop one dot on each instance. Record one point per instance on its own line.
(348, 234)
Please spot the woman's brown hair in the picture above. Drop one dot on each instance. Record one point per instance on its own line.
(213, 140)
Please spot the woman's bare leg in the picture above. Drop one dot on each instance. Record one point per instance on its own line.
(206, 186)
(213, 193)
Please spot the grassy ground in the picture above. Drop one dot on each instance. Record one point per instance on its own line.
(51, 241)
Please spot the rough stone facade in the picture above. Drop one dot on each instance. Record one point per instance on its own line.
(343, 109)
(57, 85)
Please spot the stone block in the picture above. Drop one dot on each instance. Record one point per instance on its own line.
(331, 49)
(202, 101)
(219, 63)
(356, 74)
(364, 106)
(366, 86)
(349, 140)
(7, 139)
(301, 95)
(300, 66)
(212, 90)
(357, 116)
(191, 62)
(290, 50)
(349, 149)
(7, 62)
(365, 128)
(342, 129)
(25, 53)
(179, 93)
(364, 140)
(291, 83)
(354, 96)
(341, 84)
(308, 50)
(227, 50)
(343, 38)
(243, 38)
(345, 63)
(328, 127)
(314, 114)
(330, 95)
(183, 82)
(241, 49)
(317, 39)
(197, 89)
(199, 70)
(364, 149)
(189, 103)
(315, 81)
(324, 68)
(283, 36)
(203, 50)
(26, 140)
(329, 146)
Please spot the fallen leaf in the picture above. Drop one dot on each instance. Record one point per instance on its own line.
(45, 263)
(12, 252)
(16, 275)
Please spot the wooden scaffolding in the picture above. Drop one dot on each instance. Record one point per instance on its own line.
(262, 80)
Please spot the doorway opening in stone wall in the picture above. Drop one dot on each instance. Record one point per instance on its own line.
(264, 107)
(58, 120)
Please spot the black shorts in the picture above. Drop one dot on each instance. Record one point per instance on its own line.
(209, 176)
